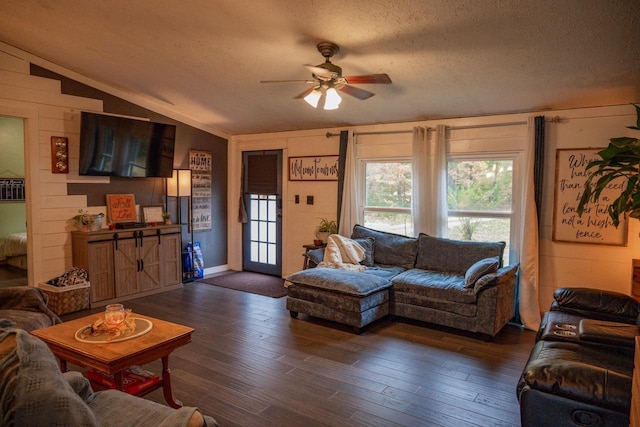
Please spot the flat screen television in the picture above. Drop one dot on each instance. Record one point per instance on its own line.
(120, 146)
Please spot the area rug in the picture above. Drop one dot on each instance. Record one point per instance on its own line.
(246, 281)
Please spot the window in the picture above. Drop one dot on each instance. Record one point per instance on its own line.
(263, 228)
(387, 196)
(480, 199)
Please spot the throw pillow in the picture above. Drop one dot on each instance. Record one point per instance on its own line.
(479, 269)
(368, 244)
(315, 256)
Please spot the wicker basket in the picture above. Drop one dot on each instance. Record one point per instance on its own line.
(67, 299)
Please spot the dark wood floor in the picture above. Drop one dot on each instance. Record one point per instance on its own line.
(250, 364)
(12, 276)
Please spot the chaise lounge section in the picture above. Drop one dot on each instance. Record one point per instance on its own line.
(452, 283)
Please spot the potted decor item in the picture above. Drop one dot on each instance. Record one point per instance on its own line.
(325, 229)
(83, 220)
(88, 222)
(167, 217)
(97, 222)
(621, 159)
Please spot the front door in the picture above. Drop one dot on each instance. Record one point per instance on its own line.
(262, 232)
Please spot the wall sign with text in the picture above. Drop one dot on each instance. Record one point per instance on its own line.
(121, 207)
(200, 163)
(595, 225)
(313, 168)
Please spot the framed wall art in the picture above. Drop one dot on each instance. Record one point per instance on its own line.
(594, 226)
(200, 163)
(152, 213)
(313, 168)
(121, 208)
(12, 190)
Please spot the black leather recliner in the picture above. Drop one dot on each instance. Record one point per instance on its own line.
(580, 370)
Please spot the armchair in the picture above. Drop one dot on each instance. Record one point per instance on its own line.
(581, 368)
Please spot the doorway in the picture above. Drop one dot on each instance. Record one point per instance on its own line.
(13, 211)
(262, 196)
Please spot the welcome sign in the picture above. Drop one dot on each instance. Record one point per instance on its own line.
(313, 168)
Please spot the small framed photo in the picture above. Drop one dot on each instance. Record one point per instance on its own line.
(152, 213)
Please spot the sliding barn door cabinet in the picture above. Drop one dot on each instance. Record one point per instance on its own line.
(129, 263)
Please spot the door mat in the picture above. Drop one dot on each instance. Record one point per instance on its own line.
(246, 281)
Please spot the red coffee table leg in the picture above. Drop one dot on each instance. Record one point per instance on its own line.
(166, 384)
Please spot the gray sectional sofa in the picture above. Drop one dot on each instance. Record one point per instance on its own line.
(459, 284)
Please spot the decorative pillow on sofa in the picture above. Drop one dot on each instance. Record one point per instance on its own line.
(315, 256)
(368, 244)
(479, 269)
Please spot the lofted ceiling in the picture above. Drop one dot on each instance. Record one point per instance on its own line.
(204, 59)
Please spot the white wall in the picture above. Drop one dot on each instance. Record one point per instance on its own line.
(568, 264)
(47, 113)
(561, 264)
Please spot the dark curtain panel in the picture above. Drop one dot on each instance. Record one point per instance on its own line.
(262, 174)
(538, 166)
(344, 139)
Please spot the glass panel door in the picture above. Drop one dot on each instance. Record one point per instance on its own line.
(262, 250)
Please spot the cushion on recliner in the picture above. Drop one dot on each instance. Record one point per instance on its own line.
(584, 373)
(597, 300)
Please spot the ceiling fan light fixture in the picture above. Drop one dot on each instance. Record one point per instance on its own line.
(313, 97)
(332, 99)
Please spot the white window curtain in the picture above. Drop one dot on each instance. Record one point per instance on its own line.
(528, 306)
(350, 203)
(429, 187)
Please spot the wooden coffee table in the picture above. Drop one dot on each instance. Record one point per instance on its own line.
(114, 357)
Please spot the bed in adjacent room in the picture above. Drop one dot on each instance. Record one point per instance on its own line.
(13, 250)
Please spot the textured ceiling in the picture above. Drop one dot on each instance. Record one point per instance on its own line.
(204, 59)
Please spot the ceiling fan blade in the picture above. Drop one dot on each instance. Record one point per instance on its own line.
(305, 93)
(287, 81)
(320, 72)
(370, 78)
(361, 94)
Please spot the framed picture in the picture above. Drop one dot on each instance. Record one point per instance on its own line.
(313, 168)
(12, 189)
(201, 165)
(594, 226)
(152, 213)
(121, 208)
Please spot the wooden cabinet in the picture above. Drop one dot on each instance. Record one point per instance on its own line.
(124, 264)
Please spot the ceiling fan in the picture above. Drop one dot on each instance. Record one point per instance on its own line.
(328, 79)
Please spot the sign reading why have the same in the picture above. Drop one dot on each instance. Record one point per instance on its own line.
(594, 226)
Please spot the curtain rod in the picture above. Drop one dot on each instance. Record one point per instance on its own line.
(555, 119)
